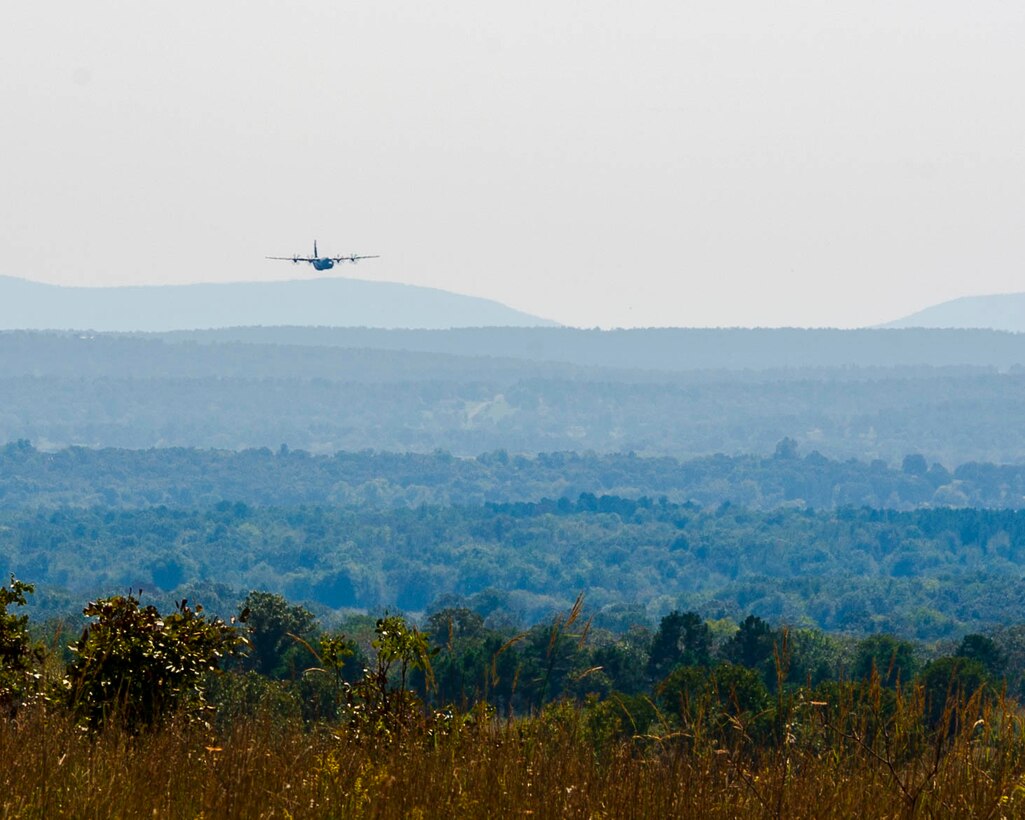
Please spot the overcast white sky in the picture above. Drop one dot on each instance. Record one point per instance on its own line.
(598, 163)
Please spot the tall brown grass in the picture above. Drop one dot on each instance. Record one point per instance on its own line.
(863, 753)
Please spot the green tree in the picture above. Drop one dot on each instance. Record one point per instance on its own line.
(454, 623)
(892, 659)
(751, 644)
(728, 689)
(814, 657)
(274, 625)
(740, 689)
(338, 663)
(623, 662)
(682, 639)
(137, 667)
(984, 650)
(19, 658)
(554, 657)
(380, 703)
(948, 682)
(462, 664)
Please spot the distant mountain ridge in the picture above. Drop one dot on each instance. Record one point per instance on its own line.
(329, 301)
(999, 311)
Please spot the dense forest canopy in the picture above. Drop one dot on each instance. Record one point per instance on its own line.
(925, 573)
(79, 476)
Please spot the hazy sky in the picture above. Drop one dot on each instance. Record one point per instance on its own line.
(598, 163)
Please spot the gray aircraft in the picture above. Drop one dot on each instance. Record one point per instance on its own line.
(322, 262)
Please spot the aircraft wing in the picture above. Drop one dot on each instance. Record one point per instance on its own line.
(290, 258)
(354, 258)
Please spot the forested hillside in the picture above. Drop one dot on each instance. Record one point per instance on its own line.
(673, 349)
(57, 390)
(950, 419)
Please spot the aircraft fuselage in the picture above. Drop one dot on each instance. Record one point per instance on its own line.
(323, 264)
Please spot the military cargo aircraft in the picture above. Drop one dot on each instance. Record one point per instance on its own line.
(322, 262)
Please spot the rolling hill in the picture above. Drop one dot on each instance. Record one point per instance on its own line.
(1001, 311)
(333, 301)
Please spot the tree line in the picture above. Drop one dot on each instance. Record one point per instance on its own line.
(191, 477)
(135, 664)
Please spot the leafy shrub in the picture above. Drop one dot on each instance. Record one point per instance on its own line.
(19, 659)
(138, 667)
(380, 704)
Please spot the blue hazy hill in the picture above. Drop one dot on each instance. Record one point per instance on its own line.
(329, 301)
(1001, 311)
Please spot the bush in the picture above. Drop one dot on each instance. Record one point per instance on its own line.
(380, 704)
(19, 659)
(138, 667)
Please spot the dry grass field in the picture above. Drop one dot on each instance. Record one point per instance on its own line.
(865, 755)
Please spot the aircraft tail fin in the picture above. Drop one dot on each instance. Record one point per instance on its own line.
(314, 248)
